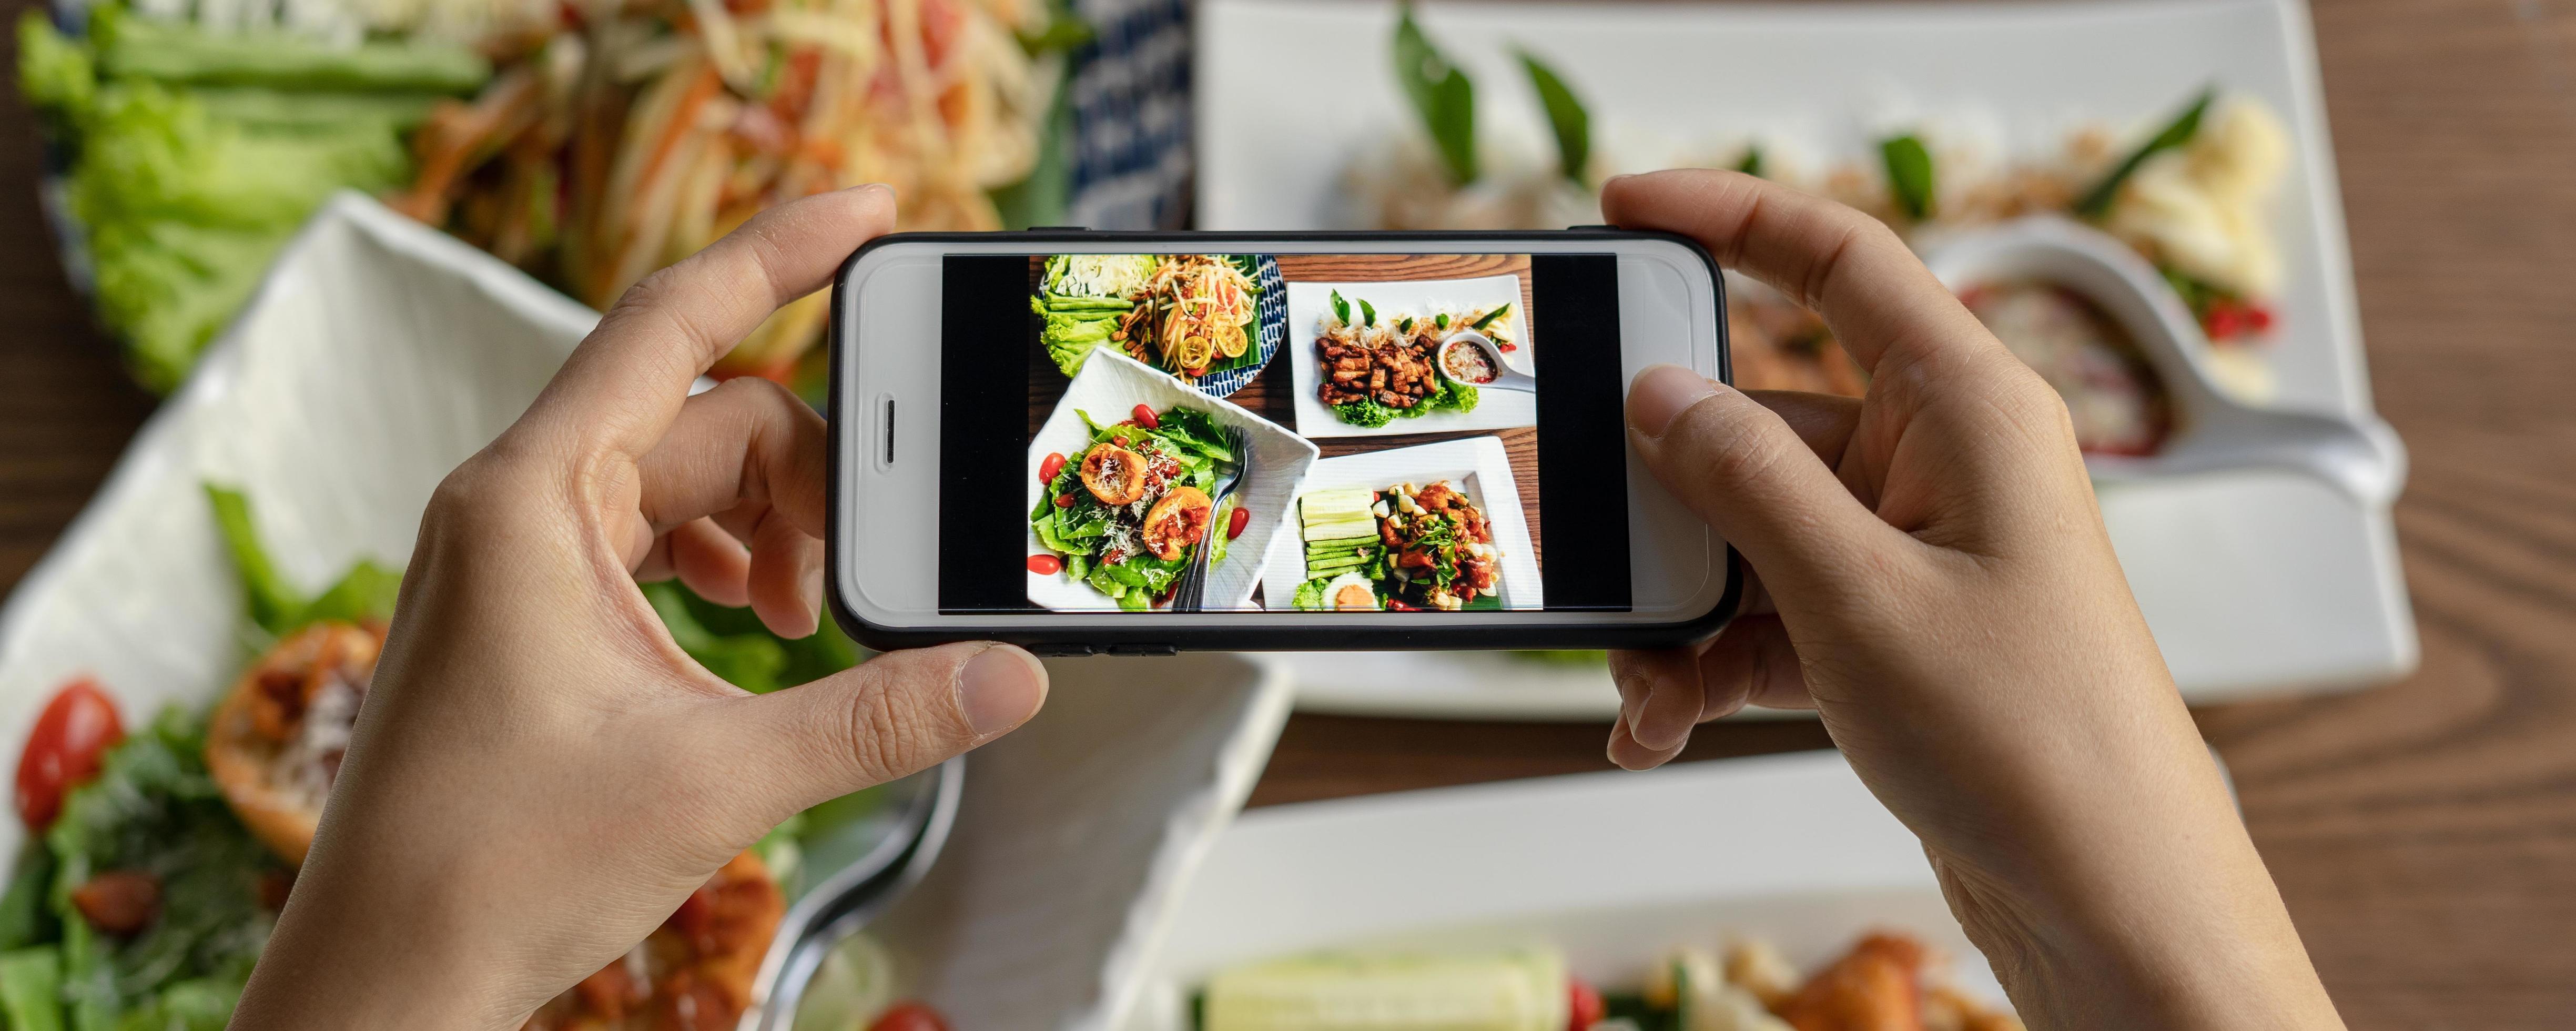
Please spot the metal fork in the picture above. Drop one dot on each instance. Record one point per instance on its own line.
(1192, 595)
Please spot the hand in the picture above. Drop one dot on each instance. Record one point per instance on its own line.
(1933, 577)
(540, 776)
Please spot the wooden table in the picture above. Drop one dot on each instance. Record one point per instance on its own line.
(2424, 833)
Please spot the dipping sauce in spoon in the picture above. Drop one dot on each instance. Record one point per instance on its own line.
(1466, 362)
(2118, 404)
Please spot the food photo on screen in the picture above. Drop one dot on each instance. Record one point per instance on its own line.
(1283, 432)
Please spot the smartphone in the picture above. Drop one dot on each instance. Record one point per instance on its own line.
(1140, 443)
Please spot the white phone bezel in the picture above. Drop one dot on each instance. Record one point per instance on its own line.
(888, 329)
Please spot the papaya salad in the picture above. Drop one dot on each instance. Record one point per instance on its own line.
(1187, 314)
(1127, 514)
(635, 132)
(157, 861)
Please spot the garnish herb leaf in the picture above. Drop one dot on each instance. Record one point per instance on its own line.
(1750, 164)
(1909, 174)
(2175, 133)
(272, 603)
(1565, 115)
(1440, 93)
(1368, 313)
(1341, 308)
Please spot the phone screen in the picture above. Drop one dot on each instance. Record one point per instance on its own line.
(1285, 432)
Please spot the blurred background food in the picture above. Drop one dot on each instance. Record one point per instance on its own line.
(589, 143)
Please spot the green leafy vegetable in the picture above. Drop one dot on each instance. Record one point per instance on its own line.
(1310, 595)
(31, 989)
(1368, 313)
(1565, 115)
(1364, 412)
(2176, 133)
(155, 810)
(1441, 95)
(1751, 163)
(734, 644)
(197, 152)
(365, 592)
(1909, 174)
(1341, 308)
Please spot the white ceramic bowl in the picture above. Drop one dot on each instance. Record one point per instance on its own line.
(2361, 457)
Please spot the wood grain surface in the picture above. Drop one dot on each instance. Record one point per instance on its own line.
(2424, 833)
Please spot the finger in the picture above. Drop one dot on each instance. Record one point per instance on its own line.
(1825, 422)
(1659, 695)
(1629, 755)
(743, 446)
(711, 562)
(785, 583)
(893, 715)
(625, 383)
(1752, 662)
(1741, 468)
(1852, 269)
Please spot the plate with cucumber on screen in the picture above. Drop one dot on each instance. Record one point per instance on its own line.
(1430, 528)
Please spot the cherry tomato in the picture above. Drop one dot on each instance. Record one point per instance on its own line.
(118, 902)
(1064, 501)
(2224, 321)
(1235, 523)
(1053, 464)
(2259, 317)
(1508, 348)
(77, 726)
(1145, 418)
(1045, 565)
(910, 1016)
(1584, 1005)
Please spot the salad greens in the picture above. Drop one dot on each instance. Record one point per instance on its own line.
(1082, 298)
(1452, 396)
(195, 153)
(733, 643)
(153, 809)
(1099, 542)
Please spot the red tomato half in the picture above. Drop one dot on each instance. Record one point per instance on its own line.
(1235, 523)
(1583, 1004)
(1045, 565)
(1145, 418)
(63, 751)
(910, 1016)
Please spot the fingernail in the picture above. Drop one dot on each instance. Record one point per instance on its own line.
(1661, 394)
(999, 689)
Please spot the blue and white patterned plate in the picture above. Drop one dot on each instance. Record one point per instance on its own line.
(1270, 326)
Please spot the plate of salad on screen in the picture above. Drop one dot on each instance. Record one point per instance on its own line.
(1134, 474)
(1367, 354)
(1210, 320)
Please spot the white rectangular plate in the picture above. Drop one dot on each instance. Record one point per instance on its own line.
(1613, 867)
(1310, 305)
(1477, 464)
(2254, 583)
(1109, 388)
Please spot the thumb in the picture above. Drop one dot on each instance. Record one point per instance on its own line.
(893, 715)
(1746, 472)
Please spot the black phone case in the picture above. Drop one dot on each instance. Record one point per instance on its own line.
(1318, 632)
